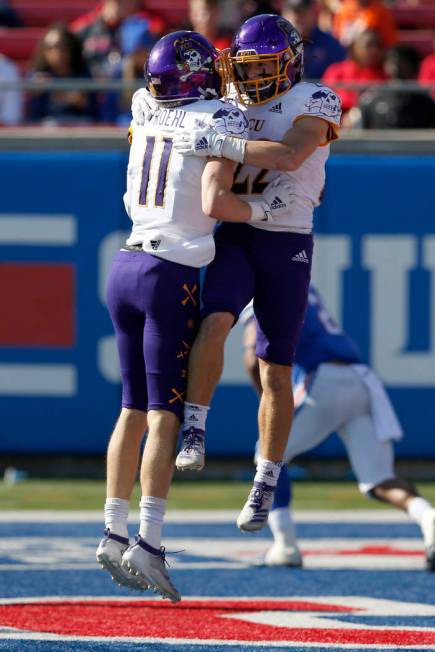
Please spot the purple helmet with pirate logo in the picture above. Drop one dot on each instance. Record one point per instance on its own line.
(271, 40)
(182, 67)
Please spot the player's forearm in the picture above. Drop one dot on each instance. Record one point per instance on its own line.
(222, 204)
(270, 155)
(298, 143)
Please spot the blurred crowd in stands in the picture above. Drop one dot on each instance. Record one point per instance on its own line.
(363, 49)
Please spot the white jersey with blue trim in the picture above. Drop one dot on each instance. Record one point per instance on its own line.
(163, 197)
(270, 122)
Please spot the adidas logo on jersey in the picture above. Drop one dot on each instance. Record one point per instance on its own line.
(277, 203)
(192, 418)
(301, 257)
(202, 144)
(155, 244)
(277, 108)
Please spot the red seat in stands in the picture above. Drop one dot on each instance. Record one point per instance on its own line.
(419, 17)
(175, 13)
(45, 12)
(421, 39)
(20, 42)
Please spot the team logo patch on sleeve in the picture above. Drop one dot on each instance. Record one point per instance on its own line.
(324, 102)
(230, 121)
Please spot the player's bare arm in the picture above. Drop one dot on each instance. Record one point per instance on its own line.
(298, 143)
(217, 199)
(220, 203)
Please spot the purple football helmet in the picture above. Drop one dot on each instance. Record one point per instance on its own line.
(272, 41)
(182, 67)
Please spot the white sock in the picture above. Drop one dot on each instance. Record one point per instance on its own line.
(195, 415)
(116, 515)
(417, 507)
(152, 513)
(267, 471)
(282, 526)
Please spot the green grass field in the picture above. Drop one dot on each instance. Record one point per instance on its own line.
(87, 494)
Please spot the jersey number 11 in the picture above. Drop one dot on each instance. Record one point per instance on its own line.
(162, 174)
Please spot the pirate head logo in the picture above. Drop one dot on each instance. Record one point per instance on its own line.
(230, 121)
(324, 101)
(191, 57)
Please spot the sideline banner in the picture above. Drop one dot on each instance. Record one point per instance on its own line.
(62, 219)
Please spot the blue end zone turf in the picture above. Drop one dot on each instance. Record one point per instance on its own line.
(363, 587)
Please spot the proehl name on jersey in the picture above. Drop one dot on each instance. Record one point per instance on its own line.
(270, 121)
(163, 197)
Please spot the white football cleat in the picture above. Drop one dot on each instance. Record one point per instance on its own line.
(192, 454)
(428, 529)
(255, 512)
(109, 556)
(280, 554)
(147, 565)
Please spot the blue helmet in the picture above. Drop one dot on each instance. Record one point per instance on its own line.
(265, 38)
(182, 67)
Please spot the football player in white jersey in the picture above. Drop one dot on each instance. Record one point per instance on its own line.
(153, 290)
(291, 124)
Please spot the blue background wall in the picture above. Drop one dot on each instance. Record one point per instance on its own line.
(375, 264)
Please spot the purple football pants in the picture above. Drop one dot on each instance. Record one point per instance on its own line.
(154, 306)
(274, 269)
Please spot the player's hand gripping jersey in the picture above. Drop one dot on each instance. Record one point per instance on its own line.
(271, 121)
(164, 187)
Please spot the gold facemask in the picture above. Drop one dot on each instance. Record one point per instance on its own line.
(255, 91)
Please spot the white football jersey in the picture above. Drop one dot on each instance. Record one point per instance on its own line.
(270, 122)
(163, 197)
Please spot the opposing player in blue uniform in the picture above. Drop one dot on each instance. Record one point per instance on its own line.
(338, 393)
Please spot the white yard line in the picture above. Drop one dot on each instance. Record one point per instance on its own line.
(206, 516)
(295, 645)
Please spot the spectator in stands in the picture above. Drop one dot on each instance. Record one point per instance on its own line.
(11, 100)
(136, 42)
(356, 16)
(402, 62)
(385, 108)
(8, 16)
(99, 32)
(427, 72)
(249, 8)
(365, 64)
(59, 56)
(204, 16)
(320, 49)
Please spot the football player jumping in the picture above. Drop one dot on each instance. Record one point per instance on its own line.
(153, 290)
(291, 124)
(337, 392)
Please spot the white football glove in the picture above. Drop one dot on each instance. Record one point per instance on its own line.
(142, 105)
(275, 201)
(203, 140)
